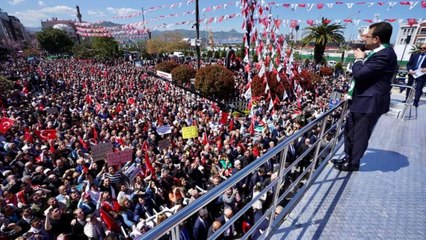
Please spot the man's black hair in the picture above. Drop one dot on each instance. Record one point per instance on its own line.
(382, 30)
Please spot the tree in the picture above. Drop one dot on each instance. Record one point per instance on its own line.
(322, 34)
(415, 49)
(54, 40)
(216, 81)
(5, 85)
(105, 48)
(166, 66)
(83, 51)
(183, 74)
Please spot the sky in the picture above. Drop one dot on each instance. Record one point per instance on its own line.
(31, 12)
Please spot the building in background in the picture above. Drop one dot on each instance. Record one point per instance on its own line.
(409, 36)
(12, 31)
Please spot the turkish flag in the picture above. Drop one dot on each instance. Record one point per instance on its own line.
(205, 141)
(6, 124)
(47, 134)
(110, 223)
(320, 5)
(423, 4)
(224, 118)
(231, 125)
(27, 135)
(251, 128)
(149, 165)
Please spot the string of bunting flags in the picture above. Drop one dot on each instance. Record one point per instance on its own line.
(291, 6)
(131, 29)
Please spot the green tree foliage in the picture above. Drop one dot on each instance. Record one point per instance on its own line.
(54, 40)
(215, 81)
(322, 34)
(183, 74)
(209, 54)
(217, 54)
(167, 66)
(105, 48)
(5, 85)
(83, 50)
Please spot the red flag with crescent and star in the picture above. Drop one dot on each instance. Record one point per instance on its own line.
(47, 134)
(6, 124)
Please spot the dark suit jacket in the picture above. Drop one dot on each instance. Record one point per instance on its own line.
(413, 62)
(373, 82)
(199, 231)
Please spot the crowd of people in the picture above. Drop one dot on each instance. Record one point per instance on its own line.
(53, 187)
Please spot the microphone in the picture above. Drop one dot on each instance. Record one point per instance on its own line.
(359, 45)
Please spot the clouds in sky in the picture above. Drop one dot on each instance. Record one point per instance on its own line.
(41, 3)
(32, 18)
(16, 2)
(121, 11)
(96, 13)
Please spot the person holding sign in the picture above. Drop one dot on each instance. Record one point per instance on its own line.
(370, 93)
(416, 67)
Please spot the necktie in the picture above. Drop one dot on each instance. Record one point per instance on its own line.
(420, 61)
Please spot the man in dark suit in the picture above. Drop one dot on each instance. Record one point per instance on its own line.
(417, 62)
(201, 225)
(369, 93)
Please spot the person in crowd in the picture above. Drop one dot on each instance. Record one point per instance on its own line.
(201, 225)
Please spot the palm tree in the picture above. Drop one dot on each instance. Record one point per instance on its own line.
(415, 49)
(321, 35)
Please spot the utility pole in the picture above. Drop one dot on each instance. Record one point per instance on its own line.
(407, 41)
(197, 29)
(143, 22)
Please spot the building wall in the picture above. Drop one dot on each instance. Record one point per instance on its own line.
(418, 36)
(12, 29)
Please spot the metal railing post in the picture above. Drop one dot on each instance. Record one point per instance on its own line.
(281, 180)
(317, 149)
(339, 127)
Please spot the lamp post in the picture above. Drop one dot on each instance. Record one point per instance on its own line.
(197, 29)
(407, 41)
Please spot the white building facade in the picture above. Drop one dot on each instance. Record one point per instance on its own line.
(409, 36)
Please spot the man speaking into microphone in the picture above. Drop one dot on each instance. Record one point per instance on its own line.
(369, 93)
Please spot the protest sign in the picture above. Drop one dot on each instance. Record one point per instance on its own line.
(189, 132)
(117, 158)
(100, 151)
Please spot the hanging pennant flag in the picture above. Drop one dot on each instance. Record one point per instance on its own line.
(326, 21)
(391, 4)
(412, 5)
(411, 21)
(293, 23)
(6, 124)
(310, 6)
(310, 22)
(347, 20)
(423, 4)
(330, 5)
(349, 5)
(320, 5)
(390, 19)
